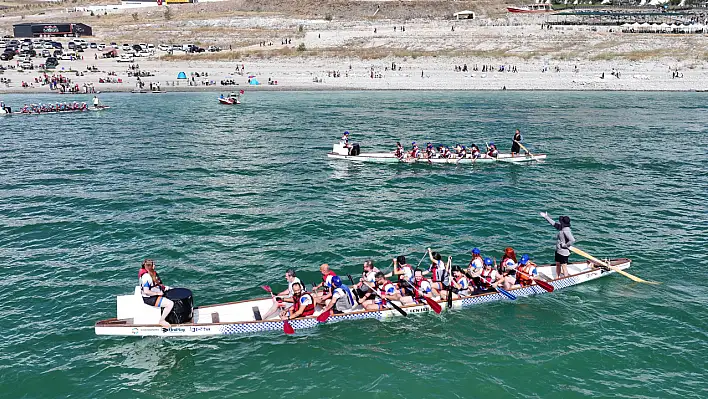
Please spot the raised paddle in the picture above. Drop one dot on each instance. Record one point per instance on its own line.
(351, 280)
(540, 283)
(609, 266)
(523, 148)
(449, 281)
(421, 259)
(287, 328)
(401, 311)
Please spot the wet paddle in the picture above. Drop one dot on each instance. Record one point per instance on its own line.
(351, 280)
(421, 260)
(609, 266)
(540, 283)
(398, 309)
(449, 282)
(287, 328)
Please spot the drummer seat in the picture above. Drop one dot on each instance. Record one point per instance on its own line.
(133, 307)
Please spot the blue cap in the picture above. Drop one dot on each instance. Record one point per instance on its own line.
(488, 261)
(476, 251)
(524, 259)
(336, 281)
(491, 143)
(413, 143)
(347, 132)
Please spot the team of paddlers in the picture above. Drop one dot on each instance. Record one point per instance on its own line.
(58, 107)
(411, 284)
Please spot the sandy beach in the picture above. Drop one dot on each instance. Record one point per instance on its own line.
(366, 53)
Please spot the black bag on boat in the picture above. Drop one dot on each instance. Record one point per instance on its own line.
(354, 150)
(182, 312)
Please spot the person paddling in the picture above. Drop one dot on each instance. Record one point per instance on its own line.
(326, 284)
(515, 146)
(492, 150)
(153, 291)
(284, 296)
(438, 269)
(526, 271)
(400, 151)
(303, 304)
(342, 297)
(564, 240)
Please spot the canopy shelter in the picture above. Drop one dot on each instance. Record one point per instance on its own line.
(182, 75)
(466, 14)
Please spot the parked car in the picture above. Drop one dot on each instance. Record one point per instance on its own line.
(93, 45)
(57, 45)
(28, 52)
(125, 58)
(71, 46)
(51, 63)
(101, 46)
(6, 56)
(164, 47)
(213, 49)
(126, 47)
(69, 56)
(57, 53)
(46, 53)
(3, 43)
(137, 47)
(151, 47)
(26, 64)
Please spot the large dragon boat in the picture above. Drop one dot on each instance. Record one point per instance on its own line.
(134, 318)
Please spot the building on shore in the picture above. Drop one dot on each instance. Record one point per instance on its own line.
(49, 29)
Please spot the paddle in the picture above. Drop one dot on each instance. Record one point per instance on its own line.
(540, 283)
(421, 259)
(609, 266)
(449, 281)
(287, 328)
(523, 148)
(500, 289)
(401, 311)
(351, 280)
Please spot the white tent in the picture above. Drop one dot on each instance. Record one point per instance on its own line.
(466, 14)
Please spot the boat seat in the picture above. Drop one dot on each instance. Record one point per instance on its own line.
(133, 307)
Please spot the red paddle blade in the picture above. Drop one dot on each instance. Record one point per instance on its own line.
(323, 316)
(433, 305)
(267, 288)
(287, 328)
(545, 285)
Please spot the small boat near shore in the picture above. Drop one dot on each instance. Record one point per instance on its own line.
(231, 99)
(134, 318)
(531, 8)
(339, 151)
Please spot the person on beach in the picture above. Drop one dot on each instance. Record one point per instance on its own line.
(153, 291)
(284, 296)
(515, 146)
(564, 240)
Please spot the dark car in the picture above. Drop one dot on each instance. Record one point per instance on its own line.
(137, 48)
(58, 53)
(6, 56)
(57, 45)
(71, 45)
(51, 62)
(30, 52)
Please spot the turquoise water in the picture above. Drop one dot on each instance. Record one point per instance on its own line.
(227, 198)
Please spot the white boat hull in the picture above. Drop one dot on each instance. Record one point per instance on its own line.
(58, 112)
(238, 317)
(388, 157)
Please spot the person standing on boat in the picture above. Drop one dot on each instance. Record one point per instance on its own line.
(153, 291)
(303, 304)
(564, 240)
(342, 297)
(515, 147)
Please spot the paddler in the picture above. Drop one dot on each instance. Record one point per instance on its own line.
(303, 304)
(415, 152)
(440, 276)
(508, 261)
(475, 151)
(515, 147)
(153, 291)
(404, 271)
(423, 287)
(445, 153)
(96, 102)
(564, 240)
(526, 271)
(400, 152)
(284, 296)
(429, 151)
(326, 284)
(492, 150)
(487, 276)
(460, 284)
(367, 276)
(476, 263)
(342, 297)
(387, 292)
(461, 151)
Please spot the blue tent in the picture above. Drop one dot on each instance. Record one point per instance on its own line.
(182, 75)
(254, 82)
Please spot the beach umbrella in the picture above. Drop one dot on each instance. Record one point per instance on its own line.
(182, 75)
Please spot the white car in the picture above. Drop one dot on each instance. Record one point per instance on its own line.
(126, 47)
(101, 46)
(68, 57)
(151, 47)
(144, 53)
(164, 47)
(26, 64)
(125, 58)
(3, 43)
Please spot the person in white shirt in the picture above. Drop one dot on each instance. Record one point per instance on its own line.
(153, 291)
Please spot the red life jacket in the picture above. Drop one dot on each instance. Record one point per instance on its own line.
(382, 292)
(417, 294)
(329, 273)
(486, 280)
(309, 309)
(157, 283)
(522, 278)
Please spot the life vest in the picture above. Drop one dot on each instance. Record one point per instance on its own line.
(434, 271)
(309, 309)
(418, 291)
(382, 291)
(157, 283)
(523, 278)
(486, 280)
